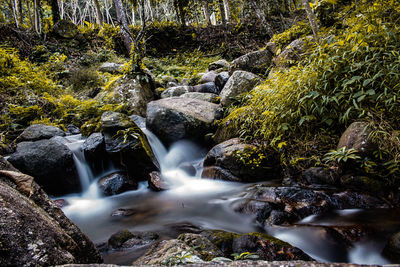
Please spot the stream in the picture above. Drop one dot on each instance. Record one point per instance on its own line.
(208, 204)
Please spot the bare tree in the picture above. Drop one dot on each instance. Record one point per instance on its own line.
(227, 10)
(99, 15)
(311, 18)
(121, 17)
(260, 14)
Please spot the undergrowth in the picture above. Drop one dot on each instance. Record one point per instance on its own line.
(352, 74)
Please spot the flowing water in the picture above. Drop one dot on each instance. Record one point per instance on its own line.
(208, 204)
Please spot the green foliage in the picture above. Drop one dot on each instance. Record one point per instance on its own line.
(341, 155)
(84, 78)
(251, 156)
(298, 30)
(354, 74)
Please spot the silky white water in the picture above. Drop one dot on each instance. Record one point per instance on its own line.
(201, 202)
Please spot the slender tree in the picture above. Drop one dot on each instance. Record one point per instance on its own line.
(121, 18)
(311, 19)
(99, 15)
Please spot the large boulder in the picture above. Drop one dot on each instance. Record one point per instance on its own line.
(111, 67)
(116, 183)
(94, 149)
(134, 92)
(357, 137)
(206, 249)
(176, 91)
(240, 82)
(38, 132)
(127, 145)
(293, 52)
(50, 162)
(392, 248)
(34, 231)
(256, 62)
(176, 118)
(209, 97)
(244, 162)
(65, 29)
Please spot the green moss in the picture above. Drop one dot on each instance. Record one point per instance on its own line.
(297, 31)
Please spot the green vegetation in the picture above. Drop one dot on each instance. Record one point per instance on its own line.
(353, 74)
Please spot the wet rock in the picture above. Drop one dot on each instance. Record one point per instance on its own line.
(222, 239)
(299, 203)
(50, 163)
(65, 29)
(320, 175)
(218, 173)
(222, 63)
(293, 52)
(123, 212)
(277, 217)
(60, 140)
(61, 203)
(392, 248)
(156, 182)
(177, 118)
(117, 239)
(256, 62)
(261, 210)
(208, 97)
(267, 248)
(35, 232)
(208, 77)
(231, 156)
(140, 240)
(221, 79)
(110, 67)
(188, 168)
(206, 249)
(38, 132)
(127, 145)
(116, 183)
(206, 88)
(239, 82)
(169, 252)
(176, 91)
(134, 92)
(356, 137)
(94, 147)
(72, 129)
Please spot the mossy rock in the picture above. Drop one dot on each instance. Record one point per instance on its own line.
(65, 29)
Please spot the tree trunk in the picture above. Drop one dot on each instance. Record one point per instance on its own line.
(260, 14)
(121, 17)
(99, 17)
(227, 10)
(55, 12)
(311, 18)
(221, 9)
(206, 11)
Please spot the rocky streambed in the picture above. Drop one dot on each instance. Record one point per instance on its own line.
(168, 189)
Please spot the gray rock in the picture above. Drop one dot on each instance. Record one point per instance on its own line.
(221, 79)
(293, 52)
(218, 173)
(176, 118)
(176, 91)
(209, 97)
(50, 163)
(135, 93)
(38, 132)
(65, 29)
(230, 156)
(35, 232)
(256, 62)
(60, 140)
(222, 63)
(114, 121)
(72, 129)
(94, 146)
(208, 87)
(357, 137)
(208, 77)
(206, 249)
(320, 175)
(171, 84)
(116, 183)
(167, 79)
(239, 82)
(117, 239)
(110, 67)
(165, 252)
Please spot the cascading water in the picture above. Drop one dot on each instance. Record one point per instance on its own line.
(202, 202)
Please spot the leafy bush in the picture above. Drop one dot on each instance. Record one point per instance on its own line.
(354, 74)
